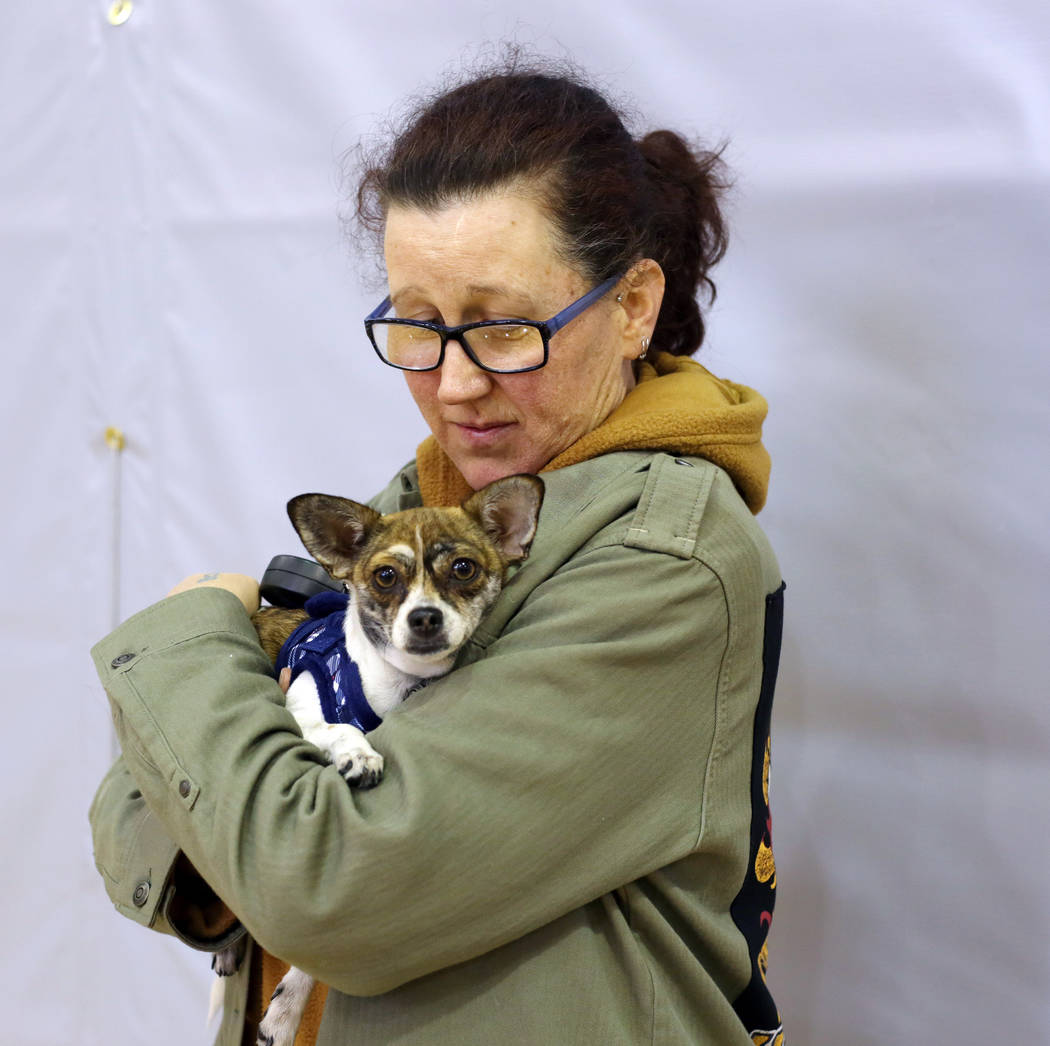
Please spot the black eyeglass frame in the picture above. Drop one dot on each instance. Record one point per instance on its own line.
(547, 329)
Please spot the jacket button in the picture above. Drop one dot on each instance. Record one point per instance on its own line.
(120, 659)
(141, 894)
(184, 788)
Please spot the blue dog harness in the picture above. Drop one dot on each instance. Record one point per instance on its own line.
(318, 646)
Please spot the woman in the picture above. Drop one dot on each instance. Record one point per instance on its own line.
(571, 841)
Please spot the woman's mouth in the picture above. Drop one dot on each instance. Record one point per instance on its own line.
(482, 433)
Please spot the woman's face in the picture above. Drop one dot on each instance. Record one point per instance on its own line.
(491, 258)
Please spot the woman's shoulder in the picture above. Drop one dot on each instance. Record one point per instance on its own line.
(630, 533)
(677, 505)
(649, 501)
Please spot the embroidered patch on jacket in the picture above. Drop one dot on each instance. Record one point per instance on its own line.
(768, 1038)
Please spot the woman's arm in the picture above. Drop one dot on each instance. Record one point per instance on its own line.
(571, 757)
(147, 877)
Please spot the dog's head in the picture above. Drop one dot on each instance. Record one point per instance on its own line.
(421, 580)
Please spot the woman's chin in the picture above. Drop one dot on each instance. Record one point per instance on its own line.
(479, 472)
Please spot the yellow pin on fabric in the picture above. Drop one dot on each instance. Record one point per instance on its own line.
(115, 438)
(120, 11)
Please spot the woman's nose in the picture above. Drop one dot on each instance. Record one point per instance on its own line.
(461, 378)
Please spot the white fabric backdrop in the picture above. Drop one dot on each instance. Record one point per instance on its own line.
(172, 264)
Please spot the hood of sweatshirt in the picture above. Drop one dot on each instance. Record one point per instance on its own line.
(677, 406)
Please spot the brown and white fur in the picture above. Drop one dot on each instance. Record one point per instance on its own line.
(419, 582)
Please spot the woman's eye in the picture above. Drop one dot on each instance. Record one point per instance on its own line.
(385, 577)
(464, 569)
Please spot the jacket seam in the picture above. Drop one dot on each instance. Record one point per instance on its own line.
(721, 688)
(125, 857)
(140, 745)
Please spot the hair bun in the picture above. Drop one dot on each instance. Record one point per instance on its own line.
(689, 235)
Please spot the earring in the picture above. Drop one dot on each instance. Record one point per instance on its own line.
(645, 349)
(619, 299)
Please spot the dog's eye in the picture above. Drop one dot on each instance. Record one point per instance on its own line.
(385, 577)
(464, 569)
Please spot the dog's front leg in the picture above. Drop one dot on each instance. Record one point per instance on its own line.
(344, 746)
(281, 1020)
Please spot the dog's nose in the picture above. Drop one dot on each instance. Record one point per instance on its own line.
(425, 621)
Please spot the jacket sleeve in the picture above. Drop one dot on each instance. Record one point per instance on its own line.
(133, 853)
(146, 876)
(568, 760)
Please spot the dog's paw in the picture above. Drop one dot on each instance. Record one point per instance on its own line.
(274, 1030)
(227, 961)
(280, 1022)
(362, 769)
(347, 749)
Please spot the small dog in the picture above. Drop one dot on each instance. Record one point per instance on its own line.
(418, 583)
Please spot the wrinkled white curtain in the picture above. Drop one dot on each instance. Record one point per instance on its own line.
(173, 266)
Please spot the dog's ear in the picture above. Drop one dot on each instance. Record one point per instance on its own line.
(334, 530)
(507, 510)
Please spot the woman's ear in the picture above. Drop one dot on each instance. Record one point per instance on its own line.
(639, 296)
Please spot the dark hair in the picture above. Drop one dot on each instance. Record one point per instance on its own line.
(614, 200)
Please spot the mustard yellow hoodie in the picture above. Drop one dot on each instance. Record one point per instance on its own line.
(677, 406)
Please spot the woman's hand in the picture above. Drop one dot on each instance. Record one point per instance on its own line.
(245, 588)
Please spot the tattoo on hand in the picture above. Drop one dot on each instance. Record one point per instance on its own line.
(206, 577)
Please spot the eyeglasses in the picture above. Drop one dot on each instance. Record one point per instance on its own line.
(499, 346)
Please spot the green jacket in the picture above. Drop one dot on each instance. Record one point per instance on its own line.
(563, 847)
